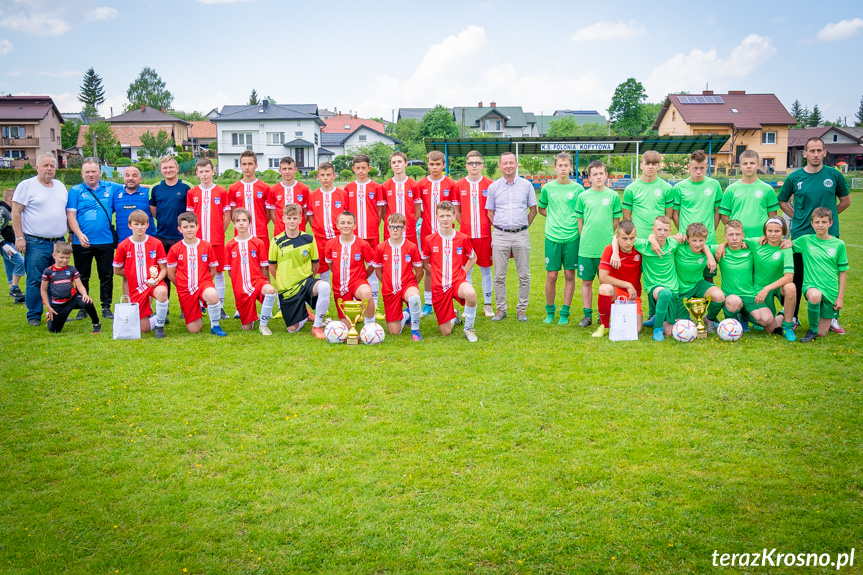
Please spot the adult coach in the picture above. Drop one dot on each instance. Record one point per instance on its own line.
(511, 206)
(815, 186)
(39, 220)
(89, 210)
(167, 202)
(132, 197)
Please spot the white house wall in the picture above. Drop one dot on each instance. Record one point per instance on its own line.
(228, 152)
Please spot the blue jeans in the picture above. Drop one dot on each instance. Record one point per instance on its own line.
(14, 265)
(36, 259)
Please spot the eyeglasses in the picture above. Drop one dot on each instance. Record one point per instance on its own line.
(474, 163)
(396, 227)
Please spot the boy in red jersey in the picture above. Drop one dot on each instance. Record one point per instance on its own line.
(191, 263)
(288, 191)
(469, 201)
(252, 194)
(212, 207)
(366, 200)
(399, 267)
(401, 197)
(432, 189)
(134, 259)
(351, 259)
(249, 268)
(447, 259)
(325, 205)
(623, 281)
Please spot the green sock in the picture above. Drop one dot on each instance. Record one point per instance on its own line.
(813, 309)
(550, 309)
(662, 304)
(713, 310)
(564, 311)
(787, 325)
(588, 312)
(732, 315)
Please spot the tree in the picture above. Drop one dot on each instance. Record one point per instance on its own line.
(378, 153)
(859, 115)
(799, 114)
(438, 123)
(491, 167)
(815, 118)
(107, 146)
(675, 164)
(342, 162)
(253, 98)
(148, 89)
(407, 130)
(69, 134)
(155, 146)
(415, 151)
(533, 164)
(92, 94)
(627, 113)
(566, 126)
(193, 116)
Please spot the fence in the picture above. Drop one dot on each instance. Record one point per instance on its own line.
(857, 183)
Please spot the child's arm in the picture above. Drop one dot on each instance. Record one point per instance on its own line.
(615, 252)
(119, 271)
(785, 244)
(315, 267)
(427, 265)
(675, 217)
(79, 285)
(457, 213)
(46, 300)
(614, 223)
(724, 219)
(605, 277)
(226, 219)
(419, 272)
(580, 226)
(762, 295)
(379, 273)
(627, 215)
(271, 215)
(654, 245)
(716, 218)
(720, 251)
(418, 212)
(837, 305)
(679, 237)
(470, 263)
(382, 214)
(214, 270)
(172, 275)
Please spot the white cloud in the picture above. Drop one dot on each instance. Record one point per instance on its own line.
(63, 74)
(50, 18)
(691, 71)
(36, 25)
(5, 47)
(103, 13)
(609, 31)
(840, 30)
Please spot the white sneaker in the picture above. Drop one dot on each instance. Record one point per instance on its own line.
(470, 335)
(487, 310)
(265, 330)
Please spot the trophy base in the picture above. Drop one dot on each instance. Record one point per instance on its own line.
(353, 341)
(701, 335)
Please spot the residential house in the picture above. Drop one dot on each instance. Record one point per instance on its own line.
(347, 123)
(148, 119)
(493, 120)
(841, 144)
(272, 131)
(581, 117)
(754, 121)
(201, 135)
(29, 126)
(339, 143)
(412, 113)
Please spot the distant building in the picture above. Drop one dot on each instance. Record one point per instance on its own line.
(841, 145)
(581, 117)
(339, 143)
(129, 127)
(412, 113)
(29, 126)
(494, 120)
(201, 135)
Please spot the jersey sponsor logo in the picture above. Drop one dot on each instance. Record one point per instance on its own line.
(195, 199)
(435, 249)
(386, 257)
(120, 195)
(180, 256)
(128, 254)
(127, 207)
(828, 183)
(831, 252)
(153, 253)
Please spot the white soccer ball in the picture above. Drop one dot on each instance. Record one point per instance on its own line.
(729, 330)
(684, 331)
(336, 332)
(372, 334)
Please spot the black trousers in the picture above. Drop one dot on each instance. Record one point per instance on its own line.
(64, 309)
(104, 256)
(798, 283)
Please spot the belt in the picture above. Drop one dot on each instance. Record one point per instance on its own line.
(513, 231)
(44, 239)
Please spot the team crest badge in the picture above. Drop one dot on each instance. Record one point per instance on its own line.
(777, 255)
(67, 273)
(386, 257)
(407, 259)
(204, 258)
(338, 204)
(153, 254)
(828, 183)
(278, 198)
(569, 195)
(435, 249)
(120, 195)
(605, 201)
(485, 193)
(299, 197)
(371, 195)
(357, 257)
(317, 202)
(758, 193)
(637, 257)
(216, 201)
(657, 193)
(701, 260)
(305, 253)
(459, 250)
(260, 194)
(708, 191)
(233, 254)
(195, 199)
(831, 252)
(254, 253)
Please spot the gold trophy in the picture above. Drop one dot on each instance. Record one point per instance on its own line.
(154, 273)
(352, 309)
(697, 308)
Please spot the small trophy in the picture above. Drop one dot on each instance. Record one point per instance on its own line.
(697, 308)
(154, 273)
(352, 309)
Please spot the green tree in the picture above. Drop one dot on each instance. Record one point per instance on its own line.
(69, 134)
(155, 146)
(415, 151)
(799, 114)
(859, 115)
(342, 162)
(253, 98)
(491, 167)
(91, 94)
(193, 116)
(815, 118)
(457, 168)
(566, 126)
(627, 113)
(675, 164)
(533, 164)
(407, 130)
(438, 123)
(148, 89)
(379, 154)
(107, 146)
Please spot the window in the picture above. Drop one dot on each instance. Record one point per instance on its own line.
(835, 137)
(14, 154)
(299, 123)
(673, 115)
(299, 157)
(237, 163)
(768, 137)
(274, 163)
(242, 139)
(735, 111)
(492, 125)
(13, 131)
(362, 137)
(767, 163)
(298, 134)
(347, 126)
(275, 138)
(52, 134)
(316, 139)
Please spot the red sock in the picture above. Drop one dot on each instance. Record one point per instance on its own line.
(603, 304)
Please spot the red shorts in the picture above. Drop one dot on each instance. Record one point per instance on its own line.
(246, 303)
(618, 292)
(347, 296)
(191, 303)
(393, 304)
(443, 301)
(220, 257)
(321, 244)
(143, 299)
(482, 247)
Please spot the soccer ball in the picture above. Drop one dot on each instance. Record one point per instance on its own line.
(729, 330)
(336, 332)
(372, 334)
(684, 331)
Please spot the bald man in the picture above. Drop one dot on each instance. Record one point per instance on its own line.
(133, 197)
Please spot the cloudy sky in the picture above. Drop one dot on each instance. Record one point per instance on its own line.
(373, 58)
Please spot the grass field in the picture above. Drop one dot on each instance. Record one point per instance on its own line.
(537, 450)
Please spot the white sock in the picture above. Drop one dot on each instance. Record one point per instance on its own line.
(373, 283)
(406, 319)
(415, 310)
(325, 276)
(469, 317)
(323, 303)
(152, 319)
(428, 299)
(368, 320)
(267, 308)
(162, 308)
(219, 282)
(487, 283)
(299, 325)
(215, 312)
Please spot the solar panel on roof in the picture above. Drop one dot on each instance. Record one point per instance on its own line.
(700, 99)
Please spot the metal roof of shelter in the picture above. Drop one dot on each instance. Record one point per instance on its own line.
(618, 145)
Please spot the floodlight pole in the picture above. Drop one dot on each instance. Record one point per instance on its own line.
(637, 148)
(709, 155)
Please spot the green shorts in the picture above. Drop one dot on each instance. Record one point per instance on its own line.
(676, 309)
(698, 290)
(588, 268)
(559, 255)
(825, 310)
(749, 304)
(709, 275)
(770, 300)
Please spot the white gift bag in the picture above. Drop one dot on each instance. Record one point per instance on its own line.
(624, 320)
(127, 320)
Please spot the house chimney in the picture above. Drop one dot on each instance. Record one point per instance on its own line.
(737, 92)
(163, 109)
(493, 104)
(143, 107)
(707, 92)
(265, 104)
(479, 105)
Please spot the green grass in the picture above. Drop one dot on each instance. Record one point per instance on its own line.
(537, 450)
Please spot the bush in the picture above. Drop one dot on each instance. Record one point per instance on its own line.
(373, 172)
(184, 157)
(271, 176)
(313, 175)
(122, 162)
(74, 161)
(70, 176)
(346, 175)
(27, 166)
(213, 146)
(415, 172)
(231, 175)
(144, 165)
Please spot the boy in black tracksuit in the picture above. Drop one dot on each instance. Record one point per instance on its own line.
(63, 291)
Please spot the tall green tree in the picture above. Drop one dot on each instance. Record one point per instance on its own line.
(859, 115)
(566, 126)
(378, 153)
(253, 98)
(438, 123)
(627, 112)
(799, 113)
(69, 134)
(155, 146)
(815, 118)
(193, 116)
(407, 130)
(107, 146)
(148, 89)
(533, 164)
(91, 93)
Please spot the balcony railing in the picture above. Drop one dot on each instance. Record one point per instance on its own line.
(21, 142)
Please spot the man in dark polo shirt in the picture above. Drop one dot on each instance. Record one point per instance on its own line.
(167, 202)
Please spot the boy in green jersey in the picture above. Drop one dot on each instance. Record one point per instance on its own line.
(825, 265)
(557, 203)
(697, 198)
(648, 196)
(774, 272)
(749, 200)
(598, 209)
(690, 260)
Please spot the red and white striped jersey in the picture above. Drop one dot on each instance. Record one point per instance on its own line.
(282, 195)
(433, 192)
(253, 197)
(471, 197)
(325, 207)
(136, 258)
(193, 263)
(363, 202)
(245, 258)
(398, 263)
(210, 207)
(447, 258)
(402, 198)
(348, 262)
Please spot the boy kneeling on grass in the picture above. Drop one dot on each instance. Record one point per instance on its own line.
(63, 291)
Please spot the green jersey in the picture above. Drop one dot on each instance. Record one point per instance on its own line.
(749, 203)
(822, 262)
(810, 191)
(561, 223)
(597, 209)
(646, 202)
(689, 267)
(771, 263)
(697, 202)
(294, 258)
(737, 271)
(658, 271)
